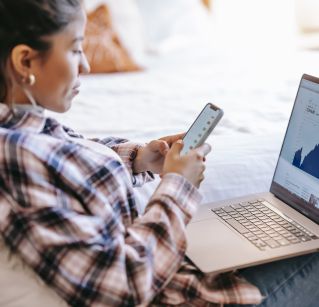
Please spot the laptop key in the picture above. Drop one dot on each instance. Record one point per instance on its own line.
(223, 215)
(297, 233)
(228, 209)
(272, 243)
(240, 228)
(227, 217)
(255, 238)
(250, 208)
(254, 220)
(294, 240)
(283, 241)
(236, 206)
(258, 232)
(218, 211)
(242, 210)
(304, 238)
(260, 243)
(245, 204)
(253, 201)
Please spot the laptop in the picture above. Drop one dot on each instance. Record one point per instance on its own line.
(278, 224)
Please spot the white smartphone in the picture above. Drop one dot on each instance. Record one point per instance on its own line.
(202, 127)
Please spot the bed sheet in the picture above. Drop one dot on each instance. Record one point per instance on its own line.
(256, 93)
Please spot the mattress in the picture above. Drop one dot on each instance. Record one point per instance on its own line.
(255, 90)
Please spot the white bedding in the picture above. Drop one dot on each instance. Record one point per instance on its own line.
(256, 93)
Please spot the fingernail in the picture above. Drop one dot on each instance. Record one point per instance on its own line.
(179, 141)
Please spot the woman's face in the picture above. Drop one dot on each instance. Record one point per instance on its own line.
(57, 74)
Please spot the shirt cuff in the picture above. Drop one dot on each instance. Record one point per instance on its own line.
(176, 189)
(128, 152)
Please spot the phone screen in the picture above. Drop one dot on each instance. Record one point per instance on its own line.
(202, 127)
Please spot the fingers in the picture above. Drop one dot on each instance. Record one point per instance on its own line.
(164, 147)
(177, 147)
(173, 138)
(159, 145)
(203, 150)
(201, 179)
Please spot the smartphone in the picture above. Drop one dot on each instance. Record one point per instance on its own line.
(202, 127)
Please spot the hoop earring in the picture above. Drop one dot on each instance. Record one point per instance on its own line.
(30, 79)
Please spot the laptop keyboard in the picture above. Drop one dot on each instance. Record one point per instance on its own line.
(262, 226)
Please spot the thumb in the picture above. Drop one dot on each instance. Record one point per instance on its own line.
(158, 146)
(163, 147)
(204, 149)
(153, 145)
(177, 147)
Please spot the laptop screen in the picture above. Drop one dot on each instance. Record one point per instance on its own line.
(296, 178)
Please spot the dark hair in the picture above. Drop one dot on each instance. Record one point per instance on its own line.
(28, 22)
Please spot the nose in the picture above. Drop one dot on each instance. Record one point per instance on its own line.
(84, 65)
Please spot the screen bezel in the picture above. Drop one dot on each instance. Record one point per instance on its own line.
(279, 191)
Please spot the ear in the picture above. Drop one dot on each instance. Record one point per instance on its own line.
(22, 57)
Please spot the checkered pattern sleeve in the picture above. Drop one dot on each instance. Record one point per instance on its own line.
(70, 213)
(127, 151)
(72, 218)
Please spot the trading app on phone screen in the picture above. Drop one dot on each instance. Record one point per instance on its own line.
(194, 136)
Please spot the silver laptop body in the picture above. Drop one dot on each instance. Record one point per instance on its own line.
(270, 226)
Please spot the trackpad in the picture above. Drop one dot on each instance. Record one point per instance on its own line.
(213, 246)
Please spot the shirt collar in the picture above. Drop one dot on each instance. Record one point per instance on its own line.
(29, 108)
(23, 118)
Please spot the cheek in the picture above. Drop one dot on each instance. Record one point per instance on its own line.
(61, 74)
(66, 73)
(55, 82)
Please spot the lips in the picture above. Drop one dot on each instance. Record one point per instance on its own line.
(76, 89)
(77, 86)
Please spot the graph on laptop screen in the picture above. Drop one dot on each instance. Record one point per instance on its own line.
(296, 179)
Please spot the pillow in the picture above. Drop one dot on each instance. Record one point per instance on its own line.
(127, 23)
(102, 46)
(20, 286)
(207, 3)
(171, 25)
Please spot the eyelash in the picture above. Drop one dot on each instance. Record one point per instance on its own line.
(79, 52)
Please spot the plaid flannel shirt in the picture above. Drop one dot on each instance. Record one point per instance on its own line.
(70, 214)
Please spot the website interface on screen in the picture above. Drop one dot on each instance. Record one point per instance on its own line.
(296, 179)
(199, 128)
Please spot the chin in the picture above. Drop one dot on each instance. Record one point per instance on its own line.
(64, 107)
(67, 107)
(60, 108)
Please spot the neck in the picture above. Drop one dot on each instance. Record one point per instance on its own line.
(17, 95)
(19, 98)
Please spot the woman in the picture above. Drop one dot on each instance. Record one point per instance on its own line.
(67, 204)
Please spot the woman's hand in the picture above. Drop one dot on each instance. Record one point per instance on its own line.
(191, 166)
(151, 157)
